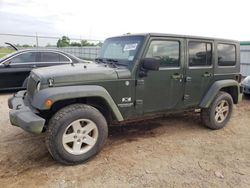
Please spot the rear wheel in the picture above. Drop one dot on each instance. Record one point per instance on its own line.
(76, 133)
(219, 112)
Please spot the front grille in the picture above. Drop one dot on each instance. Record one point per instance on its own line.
(31, 87)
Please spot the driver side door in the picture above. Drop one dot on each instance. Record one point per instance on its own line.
(162, 90)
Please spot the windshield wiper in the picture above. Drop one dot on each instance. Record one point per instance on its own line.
(108, 61)
(112, 60)
(99, 60)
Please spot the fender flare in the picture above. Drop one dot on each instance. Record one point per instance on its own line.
(215, 88)
(72, 92)
(25, 82)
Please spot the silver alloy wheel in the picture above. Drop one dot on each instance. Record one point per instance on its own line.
(221, 111)
(80, 136)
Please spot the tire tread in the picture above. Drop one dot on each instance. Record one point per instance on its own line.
(54, 124)
(206, 112)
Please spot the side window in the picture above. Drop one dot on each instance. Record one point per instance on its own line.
(24, 58)
(63, 58)
(226, 54)
(199, 53)
(168, 52)
(49, 57)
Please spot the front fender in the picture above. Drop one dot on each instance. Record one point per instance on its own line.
(72, 92)
(215, 88)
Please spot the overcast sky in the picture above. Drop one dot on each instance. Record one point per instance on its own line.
(99, 19)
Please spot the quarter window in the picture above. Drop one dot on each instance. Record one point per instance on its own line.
(24, 58)
(168, 52)
(49, 57)
(200, 53)
(226, 54)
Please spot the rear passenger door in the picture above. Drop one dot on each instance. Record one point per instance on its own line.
(199, 70)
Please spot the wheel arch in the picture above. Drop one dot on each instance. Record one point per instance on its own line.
(25, 82)
(95, 96)
(233, 91)
(97, 102)
(230, 86)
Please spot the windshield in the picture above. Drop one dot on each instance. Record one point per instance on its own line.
(121, 49)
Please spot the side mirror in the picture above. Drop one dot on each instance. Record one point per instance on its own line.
(6, 63)
(151, 64)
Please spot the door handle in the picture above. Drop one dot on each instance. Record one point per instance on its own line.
(177, 76)
(33, 66)
(207, 74)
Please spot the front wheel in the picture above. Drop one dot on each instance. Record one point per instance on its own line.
(76, 133)
(219, 112)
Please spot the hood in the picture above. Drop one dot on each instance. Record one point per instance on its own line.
(80, 72)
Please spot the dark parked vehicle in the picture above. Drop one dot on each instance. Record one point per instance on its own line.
(135, 77)
(246, 85)
(15, 67)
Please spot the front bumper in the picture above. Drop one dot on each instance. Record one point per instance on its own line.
(23, 115)
(246, 89)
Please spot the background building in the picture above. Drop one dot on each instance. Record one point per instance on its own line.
(245, 58)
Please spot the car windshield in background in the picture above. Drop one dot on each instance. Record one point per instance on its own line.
(121, 49)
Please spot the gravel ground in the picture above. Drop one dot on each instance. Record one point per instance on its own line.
(176, 151)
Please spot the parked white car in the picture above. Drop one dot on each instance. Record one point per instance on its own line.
(246, 85)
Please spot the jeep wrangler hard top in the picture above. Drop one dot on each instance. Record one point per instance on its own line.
(134, 77)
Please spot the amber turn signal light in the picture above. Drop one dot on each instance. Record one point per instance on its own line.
(48, 103)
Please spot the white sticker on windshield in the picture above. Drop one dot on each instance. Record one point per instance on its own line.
(129, 47)
(130, 58)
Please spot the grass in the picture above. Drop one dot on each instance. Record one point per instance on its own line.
(5, 51)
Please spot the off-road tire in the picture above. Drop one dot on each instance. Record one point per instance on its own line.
(208, 114)
(58, 124)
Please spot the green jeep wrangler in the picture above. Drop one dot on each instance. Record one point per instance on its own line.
(135, 77)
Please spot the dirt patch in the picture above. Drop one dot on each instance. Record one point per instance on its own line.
(176, 151)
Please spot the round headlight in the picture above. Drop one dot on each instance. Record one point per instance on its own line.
(38, 86)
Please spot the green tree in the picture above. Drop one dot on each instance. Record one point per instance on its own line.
(63, 42)
(84, 43)
(99, 44)
(50, 45)
(23, 45)
(26, 46)
(75, 44)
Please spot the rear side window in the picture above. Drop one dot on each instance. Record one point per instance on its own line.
(226, 54)
(49, 57)
(52, 57)
(24, 58)
(200, 53)
(168, 52)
